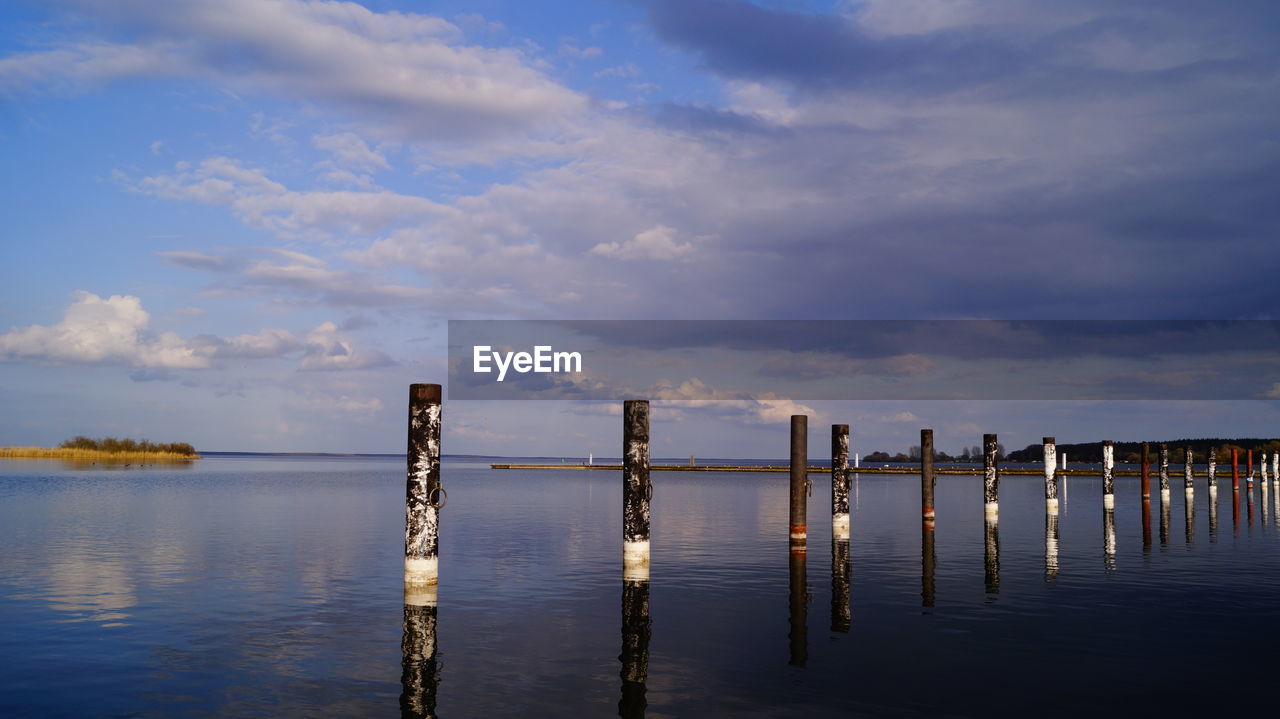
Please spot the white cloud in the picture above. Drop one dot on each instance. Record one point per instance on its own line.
(655, 243)
(402, 72)
(263, 202)
(328, 349)
(108, 331)
(114, 330)
(349, 151)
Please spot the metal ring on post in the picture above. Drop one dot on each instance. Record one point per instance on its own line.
(438, 498)
(808, 487)
(648, 492)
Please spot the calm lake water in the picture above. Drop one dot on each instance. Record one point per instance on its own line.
(251, 586)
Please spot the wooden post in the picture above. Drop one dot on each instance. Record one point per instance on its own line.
(990, 476)
(636, 489)
(1164, 473)
(1249, 478)
(926, 475)
(1050, 479)
(1213, 470)
(424, 495)
(1188, 471)
(1235, 469)
(1108, 475)
(635, 648)
(840, 481)
(1146, 471)
(799, 480)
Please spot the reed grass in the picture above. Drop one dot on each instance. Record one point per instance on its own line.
(92, 454)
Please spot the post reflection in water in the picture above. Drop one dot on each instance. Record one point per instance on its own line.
(1250, 503)
(1235, 508)
(1109, 538)
(992, 554)
(841, 614)
(799, 614)
(635, 647)
(1165, 520)
(1189, 510)
(1146, 524)
(1213, 514)
(1050, 546)
(1266, 502)
(419, 675)
(928, 561)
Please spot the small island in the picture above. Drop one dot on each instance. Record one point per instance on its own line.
(108, 449)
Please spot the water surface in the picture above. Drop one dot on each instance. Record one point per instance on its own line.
(271, 586)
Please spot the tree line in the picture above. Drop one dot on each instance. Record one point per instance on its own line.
(122, 446)
(1131, 452)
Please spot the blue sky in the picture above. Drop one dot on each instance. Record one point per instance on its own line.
(244, 223)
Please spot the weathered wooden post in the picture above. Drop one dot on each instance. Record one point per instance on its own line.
(1188, 472)
(840, 481)
(419, 670)
(1213, 470)
(1249, 478)
(798, 604)
(1275, 466)
(926, 476)
(1235, 469)
(1164, 473)
(424, 495)
(1108, 475)
(636, 629)
(990, 476)
(1146, 471)
(636, 489)
(1050, 479)
(799, 481)
(841, 612)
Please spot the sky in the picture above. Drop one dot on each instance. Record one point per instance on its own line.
(245, 223)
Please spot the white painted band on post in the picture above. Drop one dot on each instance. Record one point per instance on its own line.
(420, 595)
(635, 572)
(635, 551)
(1108, 501)
(799, 535)
(421, 571)
(1164, 495)
(1051, 506)
(840, 526)
(991, 509)
(1190, 491)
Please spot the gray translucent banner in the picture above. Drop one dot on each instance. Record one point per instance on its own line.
(701, 360)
